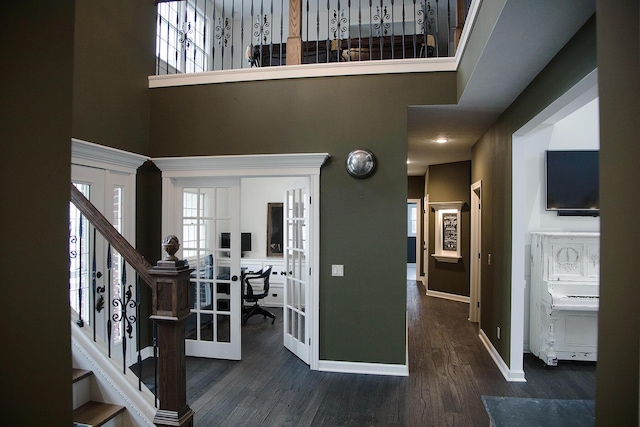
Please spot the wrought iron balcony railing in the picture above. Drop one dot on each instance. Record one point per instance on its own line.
(206, 35)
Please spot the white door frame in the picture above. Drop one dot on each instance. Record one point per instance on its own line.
(418, 204)
(273, 165)
(476, 252)
(425, 240)
(117, 168)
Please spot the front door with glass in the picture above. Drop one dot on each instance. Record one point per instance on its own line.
(99, 292)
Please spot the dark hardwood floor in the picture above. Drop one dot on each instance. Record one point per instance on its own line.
(449, 372)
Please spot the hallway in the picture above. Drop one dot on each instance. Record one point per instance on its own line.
(449, 371)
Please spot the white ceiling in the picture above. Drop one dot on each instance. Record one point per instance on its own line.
(526, 36)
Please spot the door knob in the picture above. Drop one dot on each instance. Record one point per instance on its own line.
(234, 278)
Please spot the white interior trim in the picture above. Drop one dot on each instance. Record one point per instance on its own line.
(419, 208)
(577, 96)
(89, 154)
(363, 368)
(510, 375)
(284, 165)
(332, 69)
(446, 295)
(476, 248)
(241, 165)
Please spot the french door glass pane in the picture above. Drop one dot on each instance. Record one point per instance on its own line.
(79, 255)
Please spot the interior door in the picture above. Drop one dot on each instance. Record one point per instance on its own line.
(210, 242)
(84, 253)
(107, 281)
(296, 254)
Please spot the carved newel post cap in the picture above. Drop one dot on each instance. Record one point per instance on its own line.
(171, 244)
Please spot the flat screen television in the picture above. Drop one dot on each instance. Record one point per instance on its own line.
(245, 241)
(572, 182)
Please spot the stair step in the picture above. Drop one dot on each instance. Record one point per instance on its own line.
(79, 374)
(95, 414)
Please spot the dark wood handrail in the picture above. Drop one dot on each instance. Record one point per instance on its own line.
(119, 243)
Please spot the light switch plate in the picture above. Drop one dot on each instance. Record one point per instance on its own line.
(337, 270)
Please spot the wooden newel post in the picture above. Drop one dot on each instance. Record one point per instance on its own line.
(170, 309)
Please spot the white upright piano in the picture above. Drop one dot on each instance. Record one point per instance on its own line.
(565, 282)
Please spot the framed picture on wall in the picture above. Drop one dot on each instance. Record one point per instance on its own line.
(274, 230)
(447, 231)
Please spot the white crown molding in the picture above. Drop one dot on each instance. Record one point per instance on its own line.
(241, 165)
(90, 154)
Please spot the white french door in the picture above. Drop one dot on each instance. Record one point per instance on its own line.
(101, 284)
(84, 254)
(209, 221)
(297, 264)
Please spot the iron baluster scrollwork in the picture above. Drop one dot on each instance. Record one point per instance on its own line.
(381, 21)
(223, 32)
(421, 21)
(121, 304)
(184, 35)
(80, 322)
(261, 29)
(109, 295)
(73, 240)
(93, 283)
(339, 24)
(139, 361)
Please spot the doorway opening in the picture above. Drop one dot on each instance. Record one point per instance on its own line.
(301, 305)
(528, 213)
(414, 239)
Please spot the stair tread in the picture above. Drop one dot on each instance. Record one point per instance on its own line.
(78, 374)
(96, 413)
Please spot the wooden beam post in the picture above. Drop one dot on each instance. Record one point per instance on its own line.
(170, 309)
(294, 41)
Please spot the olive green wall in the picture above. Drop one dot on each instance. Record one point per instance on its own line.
(35, 135)
(450, 182)
(415, 187)
(113, 59)
(114, 54)
(619, 317)
(362, 221)
(491, 163)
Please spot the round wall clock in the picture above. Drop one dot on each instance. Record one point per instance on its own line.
(361, 163)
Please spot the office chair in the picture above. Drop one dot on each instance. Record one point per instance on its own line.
(252, 293)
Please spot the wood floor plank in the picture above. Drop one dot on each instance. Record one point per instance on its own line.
(449, 372)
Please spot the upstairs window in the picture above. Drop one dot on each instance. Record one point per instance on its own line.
(182, 38)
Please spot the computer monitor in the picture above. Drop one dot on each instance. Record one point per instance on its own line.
(245, 241)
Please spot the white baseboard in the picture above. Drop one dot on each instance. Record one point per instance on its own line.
(508, 374)
(445, 295)
(146, 352)
(363, 368)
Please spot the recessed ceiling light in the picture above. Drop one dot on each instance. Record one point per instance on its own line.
(441, 140)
